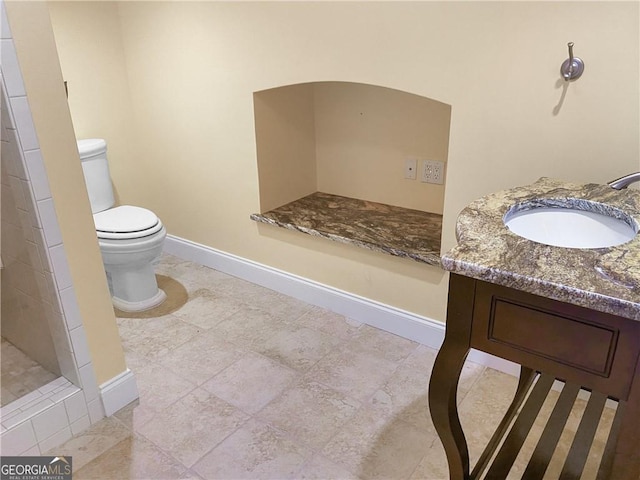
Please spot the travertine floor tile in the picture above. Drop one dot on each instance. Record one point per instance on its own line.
(298, 347)
(248, 328)
(207, 308)
(93, 442)
(396, 453)
(321, 468)
(132, 458)
(483, 408)
(254, 451)
(251, 382)
(433, 465)
(383, 344)
(193, 425)
(201, 358)
(405, 397)
(356, 373)
(243, 382)
(159, 387)
(310, 412)
(153, 338)
(328, 322)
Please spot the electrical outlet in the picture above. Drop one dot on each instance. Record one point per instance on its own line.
(410, 168)
(432, 172)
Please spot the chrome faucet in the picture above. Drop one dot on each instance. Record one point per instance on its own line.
(624, 182)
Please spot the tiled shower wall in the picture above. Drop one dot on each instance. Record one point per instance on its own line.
(37, 285)
(28, 287)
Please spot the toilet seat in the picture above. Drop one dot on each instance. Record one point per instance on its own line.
(126, 222)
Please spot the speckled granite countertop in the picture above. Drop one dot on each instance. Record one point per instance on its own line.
(384, 228)
(603, 279)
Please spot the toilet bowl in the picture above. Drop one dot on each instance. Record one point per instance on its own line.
(130, 238)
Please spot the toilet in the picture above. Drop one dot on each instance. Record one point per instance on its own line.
(130, 238)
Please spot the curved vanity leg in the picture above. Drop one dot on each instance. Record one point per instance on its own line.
(443, 385)
(626, 460)
(443, 407)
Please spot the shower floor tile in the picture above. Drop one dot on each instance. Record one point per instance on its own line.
(20, 374)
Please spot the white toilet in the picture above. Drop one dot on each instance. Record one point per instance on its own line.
(130, 238)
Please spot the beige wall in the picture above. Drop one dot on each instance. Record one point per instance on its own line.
(36, 51)
(191, 70)
(285, 144)
(364, 133)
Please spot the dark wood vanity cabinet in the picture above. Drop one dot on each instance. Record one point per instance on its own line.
(552, 341)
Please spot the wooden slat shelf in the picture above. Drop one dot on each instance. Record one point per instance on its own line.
(497, 461)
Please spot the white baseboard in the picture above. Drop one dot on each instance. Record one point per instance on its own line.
(420, 329)
(119, 392)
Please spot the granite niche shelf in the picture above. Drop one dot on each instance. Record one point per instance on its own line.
(383, 228)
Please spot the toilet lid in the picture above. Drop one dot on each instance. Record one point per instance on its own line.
(125, 219)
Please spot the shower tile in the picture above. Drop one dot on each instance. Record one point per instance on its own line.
(5, 31)
(54, 385)
(19, 439)
(80, 346)
(68, 366)
(80, 425)
(70, 308)
(88, 383)
(50, 421)
(18, 193)
(49, 221)
(56, 439)
(10, 149)
(64, 393)
(24, 122)
(19, 403)
(11, 69)
(27, 412)
(37, 174)
(60, 267)
(96, 410)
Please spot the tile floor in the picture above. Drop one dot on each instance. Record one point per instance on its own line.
(20, 374)
(245, 383)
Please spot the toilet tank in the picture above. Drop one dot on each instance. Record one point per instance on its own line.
(93, 155)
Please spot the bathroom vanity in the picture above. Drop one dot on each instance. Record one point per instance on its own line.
(569, 316)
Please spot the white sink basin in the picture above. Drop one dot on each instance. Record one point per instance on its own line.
(571, 227)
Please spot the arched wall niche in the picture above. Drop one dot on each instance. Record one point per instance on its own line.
(348, 139)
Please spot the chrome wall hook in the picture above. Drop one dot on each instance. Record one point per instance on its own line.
(572, 67)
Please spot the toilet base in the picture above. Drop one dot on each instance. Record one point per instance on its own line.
(147, 304)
